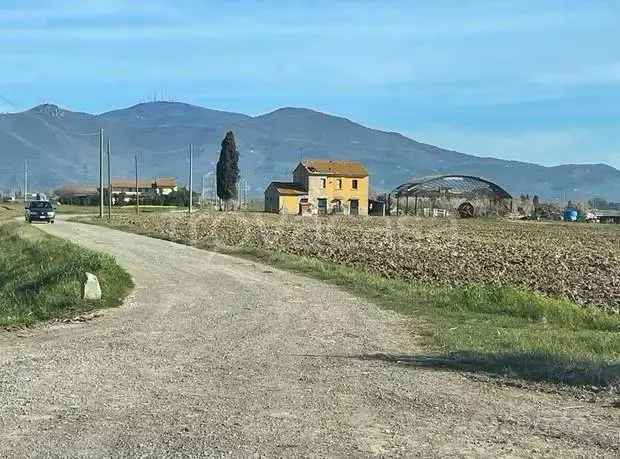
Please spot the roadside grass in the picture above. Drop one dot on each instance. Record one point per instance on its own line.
(10, 211)
(500, 330)
(41, 277)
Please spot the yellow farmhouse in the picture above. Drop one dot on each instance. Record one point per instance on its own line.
(321, 187)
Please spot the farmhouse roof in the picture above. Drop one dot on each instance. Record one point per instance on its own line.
(288, 188)
(335, 167)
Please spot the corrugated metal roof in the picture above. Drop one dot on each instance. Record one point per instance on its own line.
(456, 184)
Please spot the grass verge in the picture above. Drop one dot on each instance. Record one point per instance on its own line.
(41, 277)
(500, 330)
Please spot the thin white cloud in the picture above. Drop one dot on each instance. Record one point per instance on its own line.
(602, 74)
(103, 20)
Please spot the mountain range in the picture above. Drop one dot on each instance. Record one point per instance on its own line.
(62, 147)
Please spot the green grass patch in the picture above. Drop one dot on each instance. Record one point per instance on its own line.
(41, 277)
(501, 330)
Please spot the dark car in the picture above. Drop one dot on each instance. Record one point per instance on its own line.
(40, 211)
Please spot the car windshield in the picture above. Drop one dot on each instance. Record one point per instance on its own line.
(40, 205)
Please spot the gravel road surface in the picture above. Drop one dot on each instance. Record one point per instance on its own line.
(213, 355)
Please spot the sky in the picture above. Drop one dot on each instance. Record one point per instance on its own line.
(533, 81)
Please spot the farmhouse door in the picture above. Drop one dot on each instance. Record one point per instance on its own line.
(322, 205)
(355, 207)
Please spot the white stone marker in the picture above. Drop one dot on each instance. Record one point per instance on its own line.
(91, 289)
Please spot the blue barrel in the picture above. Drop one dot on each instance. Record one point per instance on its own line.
(571, 215)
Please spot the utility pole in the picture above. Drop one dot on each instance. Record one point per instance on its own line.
(109, 182)
(101, 173)
(217, 202)
(25, 181)
(137, 189)
(203, 196)
(191, 176)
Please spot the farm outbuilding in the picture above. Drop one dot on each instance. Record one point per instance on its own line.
(445, 195)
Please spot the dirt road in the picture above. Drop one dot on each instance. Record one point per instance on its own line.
(213, 355)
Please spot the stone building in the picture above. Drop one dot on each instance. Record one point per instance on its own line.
(321, 187)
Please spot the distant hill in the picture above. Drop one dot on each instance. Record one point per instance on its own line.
(60, 150)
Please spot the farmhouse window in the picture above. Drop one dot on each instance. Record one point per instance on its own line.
(340, 184)
(323, 183)
(354, 184)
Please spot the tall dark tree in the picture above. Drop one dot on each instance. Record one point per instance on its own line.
(228, 169)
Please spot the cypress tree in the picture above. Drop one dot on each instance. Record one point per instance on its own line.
(228, 169)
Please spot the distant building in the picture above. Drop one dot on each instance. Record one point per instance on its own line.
(77, 194)
(158, 186)
(608, 216)
(89, 194)
(321, 187)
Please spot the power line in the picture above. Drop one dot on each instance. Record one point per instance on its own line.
(84, 134)
(8, 101)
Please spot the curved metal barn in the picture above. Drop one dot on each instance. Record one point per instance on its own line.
(444, 195)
